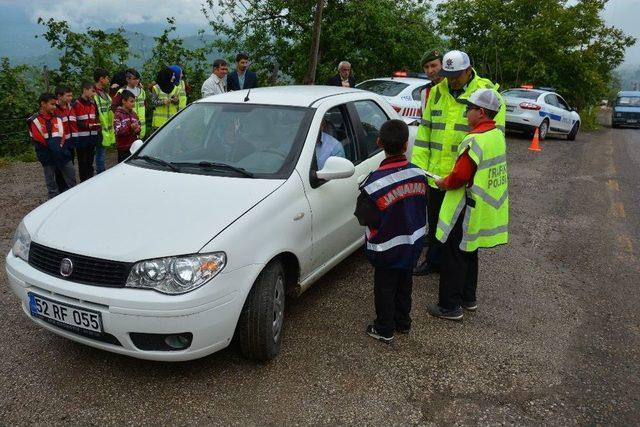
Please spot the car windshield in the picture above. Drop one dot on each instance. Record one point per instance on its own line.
(628, 101)
(229, 139)
(383, 87)
(520, 93)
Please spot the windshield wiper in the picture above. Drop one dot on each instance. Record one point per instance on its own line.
(207, 165)
(158, 161)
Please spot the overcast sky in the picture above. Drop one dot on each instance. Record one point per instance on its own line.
(624, 14)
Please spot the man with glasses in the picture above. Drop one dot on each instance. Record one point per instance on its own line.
(475, 210)
(443, 126)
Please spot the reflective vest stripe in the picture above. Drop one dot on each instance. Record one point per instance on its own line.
(479, 191)
(392, 179)
(424, 122)
(446, 228)
(461, 127)
(407, 239)
(439, 126)
(421, 143)
(492, 162)
(436, 113)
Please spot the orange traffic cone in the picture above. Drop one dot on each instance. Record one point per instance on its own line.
(535, 142)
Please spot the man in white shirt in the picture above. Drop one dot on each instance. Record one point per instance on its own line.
(216, 83)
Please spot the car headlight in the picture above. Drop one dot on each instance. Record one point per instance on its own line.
(176, 275)
(21, 242)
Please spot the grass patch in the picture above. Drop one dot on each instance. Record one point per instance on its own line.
(29, 156)
(589, 118)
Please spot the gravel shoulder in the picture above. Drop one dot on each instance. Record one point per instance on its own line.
(556, 338)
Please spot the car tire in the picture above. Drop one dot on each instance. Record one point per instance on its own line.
(574, 132)
(543, 130)
(261, 321)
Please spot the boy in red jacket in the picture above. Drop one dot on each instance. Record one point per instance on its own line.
(126, 125)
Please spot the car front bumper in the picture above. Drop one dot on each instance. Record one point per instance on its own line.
(623, 121)
(210, 313)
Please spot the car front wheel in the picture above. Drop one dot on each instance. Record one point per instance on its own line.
(260, 324)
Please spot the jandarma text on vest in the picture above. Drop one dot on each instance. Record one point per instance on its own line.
(401, 192)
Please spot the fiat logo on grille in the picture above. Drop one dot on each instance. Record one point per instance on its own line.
(66, 267)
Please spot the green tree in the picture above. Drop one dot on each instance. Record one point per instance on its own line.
(169, 50)
(545, 42)
(20, 88)
(83, 52)
(376, 36)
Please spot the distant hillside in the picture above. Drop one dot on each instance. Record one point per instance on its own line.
(21, 47)
(629, 77)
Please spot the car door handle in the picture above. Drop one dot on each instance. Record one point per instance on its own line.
(298, 216)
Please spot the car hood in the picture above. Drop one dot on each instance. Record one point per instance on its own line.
(622, 109)
(129, 213)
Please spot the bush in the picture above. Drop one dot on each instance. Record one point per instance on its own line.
(589, 118)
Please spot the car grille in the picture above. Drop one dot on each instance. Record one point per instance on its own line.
(631, 116)
(86, 270)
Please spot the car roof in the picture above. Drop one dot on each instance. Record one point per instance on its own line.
(629, 93)
(407, 80)
(539, 91)
(296, 96)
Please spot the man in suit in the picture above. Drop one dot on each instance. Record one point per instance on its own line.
(344, 77)
(242, 77)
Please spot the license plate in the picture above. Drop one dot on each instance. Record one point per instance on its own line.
(64, 315)
(510, 108)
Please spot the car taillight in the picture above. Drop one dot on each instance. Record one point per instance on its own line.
(529, 106)
(395, 107)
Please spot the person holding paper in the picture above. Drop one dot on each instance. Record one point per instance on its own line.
(475, 209)
(443, 126)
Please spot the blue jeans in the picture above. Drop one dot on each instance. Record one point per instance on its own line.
(100, 160)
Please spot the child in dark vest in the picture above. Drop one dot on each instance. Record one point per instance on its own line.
(392, 206)
(126, 125)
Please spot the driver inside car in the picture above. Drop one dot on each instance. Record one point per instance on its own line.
(327, 145)
(233, 147)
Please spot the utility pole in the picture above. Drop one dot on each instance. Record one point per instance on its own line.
(310, 76)
(45, 71)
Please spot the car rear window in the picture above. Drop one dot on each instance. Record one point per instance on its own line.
(520, 93)
(628, 101)
(383, 87)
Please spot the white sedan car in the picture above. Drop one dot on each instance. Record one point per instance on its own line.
(202, 232)
(403, 93)
(529, 109)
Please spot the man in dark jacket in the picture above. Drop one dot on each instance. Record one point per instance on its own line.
(344, 77)
(242, 77)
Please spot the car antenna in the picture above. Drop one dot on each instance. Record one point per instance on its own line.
(246, 98)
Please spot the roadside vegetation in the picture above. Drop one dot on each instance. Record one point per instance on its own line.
(557, 43)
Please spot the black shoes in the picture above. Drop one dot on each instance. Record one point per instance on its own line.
(373, 333)
(470, 305)
(425, 269)
(403, 330)
(452, 314)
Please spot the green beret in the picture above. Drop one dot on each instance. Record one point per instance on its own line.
(430, 56)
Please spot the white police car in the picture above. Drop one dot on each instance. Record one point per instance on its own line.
(529, 108)
(402, 92)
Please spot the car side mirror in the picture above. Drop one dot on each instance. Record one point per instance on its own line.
(336, 168)
(136, 146)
